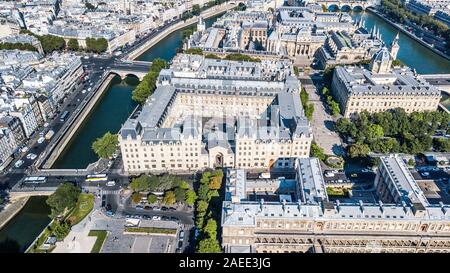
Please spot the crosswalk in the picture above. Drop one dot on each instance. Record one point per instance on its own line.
(110, 191)
(187, 226)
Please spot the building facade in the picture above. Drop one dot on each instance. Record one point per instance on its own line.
(208, 113)
(297, 216)
(382, 88)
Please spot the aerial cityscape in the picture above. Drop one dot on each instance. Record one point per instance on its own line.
(225, 126)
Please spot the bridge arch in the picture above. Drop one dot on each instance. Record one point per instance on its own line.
(124, 74)
(358, 8)
(333, 8)
(346, 8)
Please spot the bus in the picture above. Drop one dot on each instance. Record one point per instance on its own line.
(96, 178)
(35, 180)
(64, 116)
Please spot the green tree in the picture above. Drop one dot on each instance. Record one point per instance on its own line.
(194, 51)
(211, 228)
(317, 151)
(203, 192)
(196, 9)
(202, 206)
(61, 230)
(51, 43)
(151, 199)
(141, 183)
(180, 194)
(209, 245)
(98, 45)
(375, 131)
(146, 87)
(73, 44)
(296, 72)
(65, 197)
(241, 57)
(106, 145)
(441, 145)
(212, 56)
(358, 150)
(169, 198)
(136, 197)
(191, 197)
(215, 183)
(19, 46)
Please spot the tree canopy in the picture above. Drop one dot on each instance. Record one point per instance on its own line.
(209, 245)
(19, 46)
(65, 197)
(106, 145)
(393, 131)
(241, 57)
(98, 45)
(146, 87)
(73, 45)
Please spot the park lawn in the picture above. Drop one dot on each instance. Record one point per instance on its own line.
(151, 230)
(84, 205)
(101, 237)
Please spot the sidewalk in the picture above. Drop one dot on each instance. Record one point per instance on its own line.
(78, 240)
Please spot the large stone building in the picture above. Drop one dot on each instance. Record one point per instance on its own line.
(343, 47)
(298, 215)
(382, 87)
(208, 113)
(301, 31)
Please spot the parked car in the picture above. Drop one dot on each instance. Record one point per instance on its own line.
(156, 218)
(425, 174)
(41, 140)
(25, 149)
(31, 156)
(139, 207)
(18, 163)
(181, 235)
(110, 183)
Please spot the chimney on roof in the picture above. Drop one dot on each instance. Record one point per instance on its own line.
(380, 203)
(443, 208)
(261, 204)
(284, 205)
(338, 208)
(361, 205)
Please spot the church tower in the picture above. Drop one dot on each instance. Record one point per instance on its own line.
(395, 47)
(201, 25)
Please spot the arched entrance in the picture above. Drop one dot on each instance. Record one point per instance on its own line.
(218, 160)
